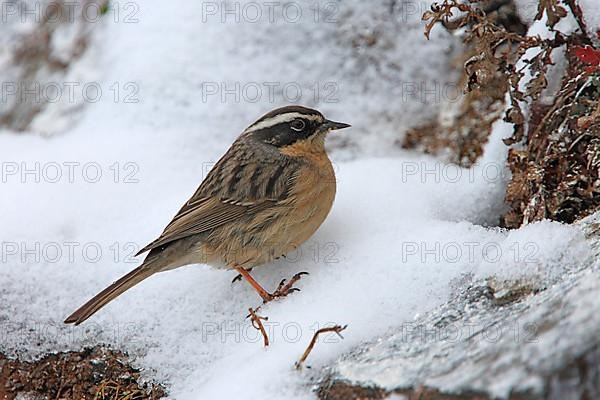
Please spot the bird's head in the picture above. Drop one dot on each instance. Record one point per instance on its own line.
(293, 127)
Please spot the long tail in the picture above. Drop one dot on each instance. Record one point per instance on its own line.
(104, 297)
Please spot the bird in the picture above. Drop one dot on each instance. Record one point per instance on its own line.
(267, 195)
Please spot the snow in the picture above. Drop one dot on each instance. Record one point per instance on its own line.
(475, 343)
(382, 257)
(591, 16)
(527, 10)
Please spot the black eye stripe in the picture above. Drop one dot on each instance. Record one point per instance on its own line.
(286, 133)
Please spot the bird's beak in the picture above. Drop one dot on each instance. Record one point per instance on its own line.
(333, 126)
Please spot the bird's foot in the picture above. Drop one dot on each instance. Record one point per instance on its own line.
(285, 288)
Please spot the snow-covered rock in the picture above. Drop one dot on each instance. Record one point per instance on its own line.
(496, 339)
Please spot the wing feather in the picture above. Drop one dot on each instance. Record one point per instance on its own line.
(215, 203)
(204, 216)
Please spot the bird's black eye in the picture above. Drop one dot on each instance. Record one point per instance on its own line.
(298, 125)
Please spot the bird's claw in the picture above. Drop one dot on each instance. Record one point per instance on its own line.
(283, 289)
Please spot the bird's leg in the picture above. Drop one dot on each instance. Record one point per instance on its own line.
(266, 296)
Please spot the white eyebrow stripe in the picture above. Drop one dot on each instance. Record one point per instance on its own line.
(278, 119)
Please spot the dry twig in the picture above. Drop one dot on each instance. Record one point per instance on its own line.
(258, 325)
(336, 329)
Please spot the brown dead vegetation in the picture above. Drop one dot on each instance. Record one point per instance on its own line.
(92, 374)
(555, 147)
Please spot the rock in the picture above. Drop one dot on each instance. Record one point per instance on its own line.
(489, 342)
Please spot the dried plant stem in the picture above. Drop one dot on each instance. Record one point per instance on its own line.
(258, 325)
(578, 14)
(336, 329)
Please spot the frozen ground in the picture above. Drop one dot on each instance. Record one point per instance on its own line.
(404, 227)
